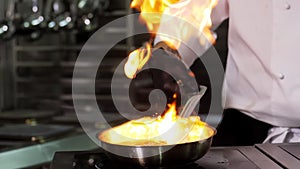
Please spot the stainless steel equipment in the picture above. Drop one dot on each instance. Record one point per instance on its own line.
(82, 15)
(263, 156)
(61, 15)
(36, 19)
(7, 26)
(38, 76)
(167, 155)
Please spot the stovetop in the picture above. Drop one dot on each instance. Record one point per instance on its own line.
(99, 160)
(248, 157)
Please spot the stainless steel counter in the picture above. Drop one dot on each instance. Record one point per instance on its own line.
(26, 156)
(264, 156)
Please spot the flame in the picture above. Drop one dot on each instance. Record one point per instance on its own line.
(197, 13)
(191, 13)
(169, 128)
(136, 60)
(151, 11)
(193, 19)
(164, 130)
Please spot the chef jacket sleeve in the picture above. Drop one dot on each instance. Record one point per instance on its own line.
(219, 13)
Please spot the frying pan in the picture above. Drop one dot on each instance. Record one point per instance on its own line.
(158, 156)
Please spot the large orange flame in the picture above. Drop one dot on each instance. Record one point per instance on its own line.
(192, 13)
(165, 130)
(151, 11)
(136, 60)
(168, 128)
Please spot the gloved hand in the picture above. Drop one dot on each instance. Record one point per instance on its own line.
(166, 72)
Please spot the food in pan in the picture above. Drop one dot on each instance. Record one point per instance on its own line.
(163, 130)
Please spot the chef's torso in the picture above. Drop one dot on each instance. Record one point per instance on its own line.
(263, 68)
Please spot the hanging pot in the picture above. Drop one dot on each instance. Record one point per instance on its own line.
(61, 15)
(7, 26)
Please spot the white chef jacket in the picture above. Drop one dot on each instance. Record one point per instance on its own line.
(262, 76)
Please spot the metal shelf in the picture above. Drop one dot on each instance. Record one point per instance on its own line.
(44, 95)
(84, 97)
(89, 97)
(62, 64)
(115, 13)
(51, 48)
(79, 64)
(48, 62)
(35, 64)
(33, 79)
(53, 63)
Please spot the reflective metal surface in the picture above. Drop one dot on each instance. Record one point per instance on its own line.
(244, 157)
(36, 19)
(7, 27)
(61, 15)
(167, 155)
(42, 153)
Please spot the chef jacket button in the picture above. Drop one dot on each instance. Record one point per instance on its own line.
(287, 6)
(281, 76)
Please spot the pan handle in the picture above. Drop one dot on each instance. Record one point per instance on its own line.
(192, 102)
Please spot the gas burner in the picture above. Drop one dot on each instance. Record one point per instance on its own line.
(98, 160)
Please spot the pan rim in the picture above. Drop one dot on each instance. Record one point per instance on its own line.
(153, 146)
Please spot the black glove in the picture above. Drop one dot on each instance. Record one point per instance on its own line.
(165, 71)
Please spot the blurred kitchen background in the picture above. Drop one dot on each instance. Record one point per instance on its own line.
(40, 41)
